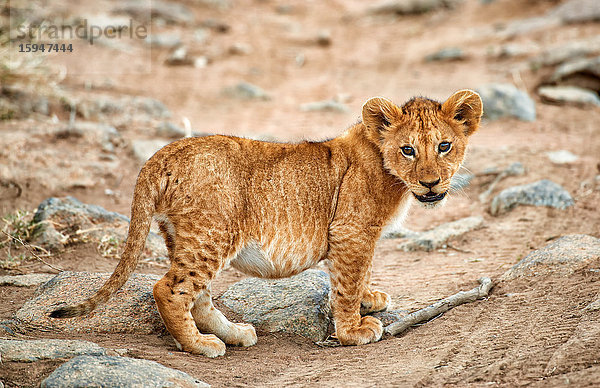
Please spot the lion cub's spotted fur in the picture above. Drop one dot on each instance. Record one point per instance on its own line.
(274, 210)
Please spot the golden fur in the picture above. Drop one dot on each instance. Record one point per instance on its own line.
(273, 210)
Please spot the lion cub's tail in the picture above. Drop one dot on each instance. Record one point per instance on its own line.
(142, 210)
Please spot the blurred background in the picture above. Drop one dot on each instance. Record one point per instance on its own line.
(89, 90)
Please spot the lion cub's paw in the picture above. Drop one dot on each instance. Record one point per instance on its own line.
(375, 301)
(241, 334)
(208, 345)
(369, 330)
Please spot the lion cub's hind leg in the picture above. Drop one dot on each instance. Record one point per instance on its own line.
(193, 265)
(210, 320)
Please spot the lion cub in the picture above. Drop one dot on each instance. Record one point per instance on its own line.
(274, 210)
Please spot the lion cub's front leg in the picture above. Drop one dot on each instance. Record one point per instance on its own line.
(349, 267)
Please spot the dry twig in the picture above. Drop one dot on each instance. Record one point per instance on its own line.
(28, 248)
(440, 307)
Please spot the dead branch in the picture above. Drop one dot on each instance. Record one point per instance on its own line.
(28, 247)
(440, 307)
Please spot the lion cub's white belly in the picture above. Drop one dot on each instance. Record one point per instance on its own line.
(275, 260)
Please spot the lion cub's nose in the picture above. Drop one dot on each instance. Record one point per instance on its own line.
(429, 185)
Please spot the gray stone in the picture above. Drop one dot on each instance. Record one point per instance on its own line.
(447, 54)
(33, 279)
(562, 157)
(179, 57)
(62, 221)
(18, 102)
(568, 52)
(389, 317)
(410, 7)
(505, 100)
(144, 149)
(168, 129)
(112, 371)
(325, 106)
(541, 193)
(297, 305)
(46, 349)
(577, 11)
(562, 257)
(130, 310)
(586, 67)
(529, 25)
(512, 50)
(164, 40)
(437, 237)
(569, 95)
(219, 4)
(240, 49)
(247, 91)
(146, 11)
(132, 107)
(594, 306)
(105, 135)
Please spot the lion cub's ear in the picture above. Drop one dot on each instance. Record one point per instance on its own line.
(466, 107)
(378, 114)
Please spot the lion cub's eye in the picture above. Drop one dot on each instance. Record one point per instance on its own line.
(408, 151)
(444, 146)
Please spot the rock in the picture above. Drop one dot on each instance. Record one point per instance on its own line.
(529, 25)
(132, 107)
(562, 157)
(218, 4)
(96, 133)
(168, 129)
(66, 220)
(130, 310)
(594, 306)
(577, 11)
(568, 52)
(215, 25)
(323, 38)
(512, 50)
(247, 91)
(163, 40)
(437, 237)
(505, 100)
(541, 193)
(569, 95)
(19, 102)
(144, 149)
(180, 57)
(325, 106)
(447, 54)
(583, 73)
(460, 181)
(297, 305)
(411, 7)
(33, 279)
(145, 11)
(46, 349)
(240, 49)
(389, 317)
(113, 371)
(561, 257)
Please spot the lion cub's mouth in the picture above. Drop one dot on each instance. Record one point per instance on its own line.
(430, 197)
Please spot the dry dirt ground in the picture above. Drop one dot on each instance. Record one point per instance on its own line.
(506, 340)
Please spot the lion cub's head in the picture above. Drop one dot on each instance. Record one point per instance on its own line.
(423, 142)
